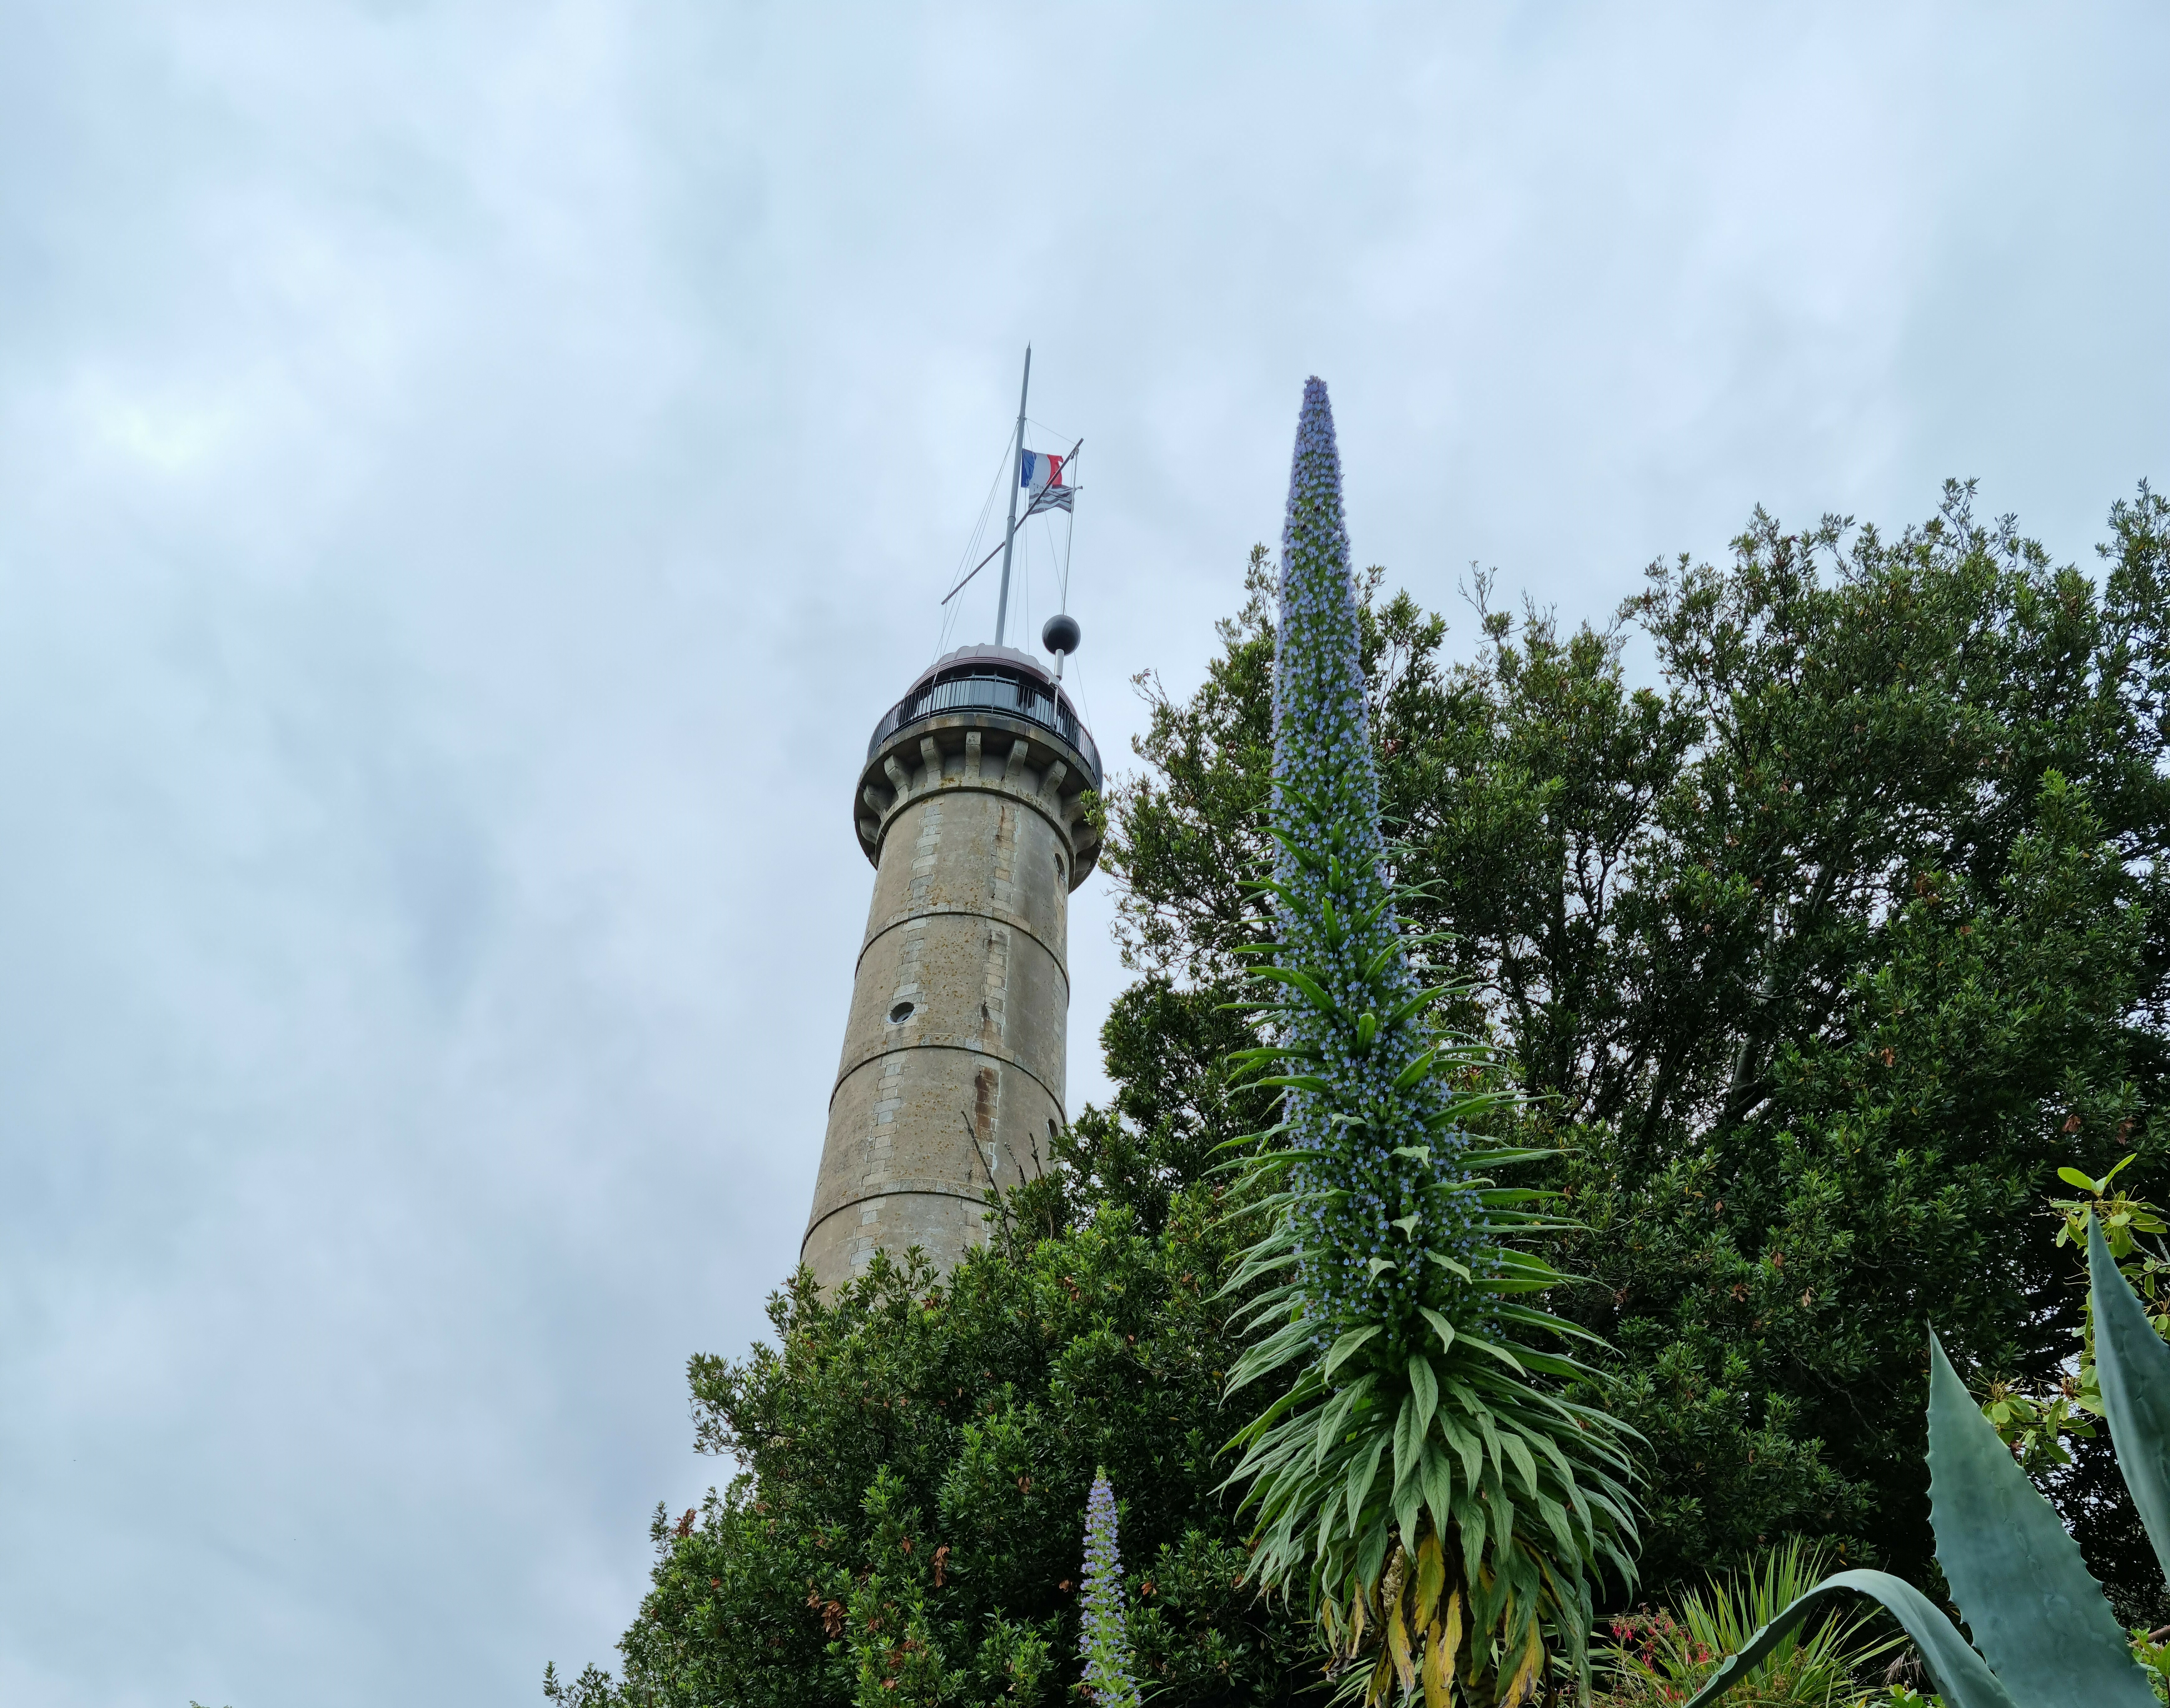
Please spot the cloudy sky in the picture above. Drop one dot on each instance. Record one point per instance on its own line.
(471, 475)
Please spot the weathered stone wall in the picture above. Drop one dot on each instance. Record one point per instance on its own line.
(952, 1075)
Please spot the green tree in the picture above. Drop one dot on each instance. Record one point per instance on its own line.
(1821, 948)
(1824, 937)
(915, 1458)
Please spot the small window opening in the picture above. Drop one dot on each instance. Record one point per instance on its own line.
(900, 1014)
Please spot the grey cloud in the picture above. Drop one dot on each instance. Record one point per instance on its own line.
(470, 477)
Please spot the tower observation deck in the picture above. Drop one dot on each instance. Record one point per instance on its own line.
(970, 809)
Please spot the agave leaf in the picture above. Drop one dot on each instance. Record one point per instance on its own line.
(2133, 1367)
(2016, 1574)
(1961, 1677)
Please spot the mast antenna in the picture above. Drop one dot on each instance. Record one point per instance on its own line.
(1017, 479)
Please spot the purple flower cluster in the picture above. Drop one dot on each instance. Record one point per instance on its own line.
(1101, 1638)
(1385, 1222)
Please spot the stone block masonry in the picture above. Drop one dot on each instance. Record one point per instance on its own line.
(951, 1079)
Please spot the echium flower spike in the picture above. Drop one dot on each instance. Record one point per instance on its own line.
(1364, 1133)
(1382, 1294)
(1101, 1639)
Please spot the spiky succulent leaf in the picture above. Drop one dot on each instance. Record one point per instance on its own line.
(2037, 1616)
(2015, 1573)
(1959, 1675)
(2133, 1365)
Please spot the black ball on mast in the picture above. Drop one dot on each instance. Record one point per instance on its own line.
(1060, 635)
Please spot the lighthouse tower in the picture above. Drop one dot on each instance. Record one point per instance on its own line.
(970, 809)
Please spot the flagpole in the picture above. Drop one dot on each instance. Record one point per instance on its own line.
(1017, 473)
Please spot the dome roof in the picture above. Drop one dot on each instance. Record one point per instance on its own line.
(965, 658)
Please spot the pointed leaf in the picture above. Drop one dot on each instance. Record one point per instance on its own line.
(1309, 988)
(1524, 1683)
(1414, 1071)
(2133, 1365)
(1519, 1451)
(1440, 1655)
(1484, 1428)
(2015, 1574)
(1397, 1645)
(1466, 1444)
(1424, 1387)
(1471, 1524)
(1499, 1352)
(1408, 1442)
(1958, 1674)
(1363, 1472)
(1347, 1345)
(1409, 1502)
(1438, 1486)
(1555, 1516)
(1372, 1555)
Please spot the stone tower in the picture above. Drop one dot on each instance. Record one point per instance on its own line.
(951, 1073)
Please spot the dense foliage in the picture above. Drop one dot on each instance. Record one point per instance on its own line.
(1825, 935)
(1815, 898)
(2039, 1629)
(1658, 1658)
(916, 1457)
(2041, 1422)
(1427, 1480)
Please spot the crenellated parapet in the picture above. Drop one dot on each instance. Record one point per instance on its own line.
(981, 749)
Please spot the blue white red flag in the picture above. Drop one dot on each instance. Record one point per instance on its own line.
(1041, 475)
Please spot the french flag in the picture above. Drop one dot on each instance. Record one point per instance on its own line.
(1041, 475)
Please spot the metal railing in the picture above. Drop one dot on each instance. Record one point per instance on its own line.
(996, 691)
